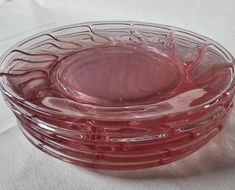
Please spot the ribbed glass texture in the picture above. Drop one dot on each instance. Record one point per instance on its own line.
(118, 95)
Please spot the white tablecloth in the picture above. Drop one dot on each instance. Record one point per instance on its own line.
(23, 167)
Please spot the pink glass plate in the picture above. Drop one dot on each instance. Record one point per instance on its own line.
(118, 95)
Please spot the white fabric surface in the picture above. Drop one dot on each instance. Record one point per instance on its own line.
(23, 167)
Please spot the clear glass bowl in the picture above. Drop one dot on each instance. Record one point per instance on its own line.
(118, 95)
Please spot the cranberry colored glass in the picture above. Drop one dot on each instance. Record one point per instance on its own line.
(118, 95)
